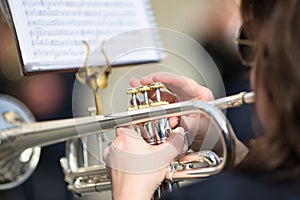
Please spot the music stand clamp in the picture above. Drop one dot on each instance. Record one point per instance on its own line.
(95, 77)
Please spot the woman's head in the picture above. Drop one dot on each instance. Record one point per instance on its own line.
(255, 14)
(276, 75)
(277, 70)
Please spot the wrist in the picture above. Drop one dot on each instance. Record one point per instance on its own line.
(132, 195)
(133, 188)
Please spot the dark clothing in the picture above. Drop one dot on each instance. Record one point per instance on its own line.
(238, 186)
(236, 79)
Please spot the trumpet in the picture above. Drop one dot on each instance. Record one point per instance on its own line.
(21, 139)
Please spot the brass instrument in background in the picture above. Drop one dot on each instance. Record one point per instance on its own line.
(21, 139)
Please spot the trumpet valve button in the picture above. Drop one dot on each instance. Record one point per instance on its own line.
(143, 88)
(157, 85)
(132, 91)
(145, 105)
(159, 103)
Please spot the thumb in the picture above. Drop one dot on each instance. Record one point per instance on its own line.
(175, 143)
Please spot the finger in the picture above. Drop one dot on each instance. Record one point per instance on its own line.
(105, 154)
(172, 81)
(149, 78)
(165, 96)
(128, 131)
(108, 171)
(149, 157)
(174, 144)
(175, 83)
(185, 88)
(177, 131)
(129, 140)
(134, 82)
(118, 132)
(174, 121)
(178, 139)
(169, 97)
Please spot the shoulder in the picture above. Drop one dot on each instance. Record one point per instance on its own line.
(233, 186)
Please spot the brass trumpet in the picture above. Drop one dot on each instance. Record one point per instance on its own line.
(21, 139)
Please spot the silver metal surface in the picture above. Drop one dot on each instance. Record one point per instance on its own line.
(45, 133)
(15, 139)
(234, 100)
(16, 164)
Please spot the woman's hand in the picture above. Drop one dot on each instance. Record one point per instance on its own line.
(182, 88)
(136, 167)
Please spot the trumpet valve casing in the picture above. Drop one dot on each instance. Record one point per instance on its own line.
(154, 132)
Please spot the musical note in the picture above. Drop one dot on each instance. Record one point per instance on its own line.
(54, 29)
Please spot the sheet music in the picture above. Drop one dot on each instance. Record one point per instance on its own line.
(50, 32)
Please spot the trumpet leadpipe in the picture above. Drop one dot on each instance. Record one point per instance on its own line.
(236, 100)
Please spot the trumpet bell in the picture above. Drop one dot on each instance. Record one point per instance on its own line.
(12, 114)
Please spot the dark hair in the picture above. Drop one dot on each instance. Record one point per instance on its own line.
(256, 12)
(276, 24)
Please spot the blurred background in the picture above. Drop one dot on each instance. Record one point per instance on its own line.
(211, 23)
